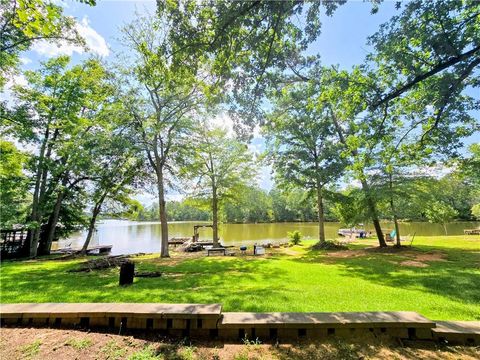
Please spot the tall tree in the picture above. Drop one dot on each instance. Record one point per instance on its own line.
(54, 113)
(221, 166)
(166, 85)
(115, 168)
(302, 144)
(341, 96)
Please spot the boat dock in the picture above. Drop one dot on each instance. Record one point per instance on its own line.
(471, 232)
(98, 249)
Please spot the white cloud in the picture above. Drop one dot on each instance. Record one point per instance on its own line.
(25, 60)
(6, 93)
(223, 120)
(95, 42)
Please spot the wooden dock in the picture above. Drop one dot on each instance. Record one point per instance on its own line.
(208, 321)
(178, 240)
(14, 243)
(98, 249)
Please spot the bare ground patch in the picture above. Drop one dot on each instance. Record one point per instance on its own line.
(32, 343)
(431, 256)
(413, 263)
(347, 254)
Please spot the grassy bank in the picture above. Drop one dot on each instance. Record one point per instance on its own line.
(439, 277)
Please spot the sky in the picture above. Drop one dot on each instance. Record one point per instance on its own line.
(343, 41)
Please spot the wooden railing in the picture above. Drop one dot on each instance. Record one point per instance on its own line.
(14, 243)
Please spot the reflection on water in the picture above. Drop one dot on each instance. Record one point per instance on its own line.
(129, 237)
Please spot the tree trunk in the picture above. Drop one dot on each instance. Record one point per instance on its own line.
(215, 216)
(35, 216)
(445, 228)
(394, 212)
(45, 247)
(91, 225)
(40, 192)
(395, 222)
(372, 208)
(162, 213)
(321, 216)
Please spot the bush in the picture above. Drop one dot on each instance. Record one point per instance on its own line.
(329, 245)
(295, 237)
(476, 211)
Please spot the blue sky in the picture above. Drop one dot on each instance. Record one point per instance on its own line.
(343, 39)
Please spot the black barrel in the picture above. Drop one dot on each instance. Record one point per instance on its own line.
(127, 272)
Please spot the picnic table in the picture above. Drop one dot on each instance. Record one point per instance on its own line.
(218, 249)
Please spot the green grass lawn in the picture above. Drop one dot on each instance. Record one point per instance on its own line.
(439, 278)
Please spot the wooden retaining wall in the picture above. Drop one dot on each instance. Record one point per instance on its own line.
(208, 321)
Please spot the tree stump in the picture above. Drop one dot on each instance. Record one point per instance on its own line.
(127, 272)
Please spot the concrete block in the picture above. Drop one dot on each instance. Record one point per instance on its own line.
(423, 333)
(99, 322)
(262, 334)
(11, 320)
(160, 324)
(179, 324)
(401, 333)
(209, 323)
(70, 321)
(287, 333)
(136, 323)
(314, 333)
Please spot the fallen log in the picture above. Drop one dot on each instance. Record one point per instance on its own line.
(148, 274)
(102, 263)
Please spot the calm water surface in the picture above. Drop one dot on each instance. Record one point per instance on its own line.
(128, 237)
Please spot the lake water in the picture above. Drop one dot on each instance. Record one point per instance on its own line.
(128, 237)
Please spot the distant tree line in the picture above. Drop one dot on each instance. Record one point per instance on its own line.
(422, 198)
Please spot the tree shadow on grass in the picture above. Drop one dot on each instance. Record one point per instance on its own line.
(456, 277)
(235, 283)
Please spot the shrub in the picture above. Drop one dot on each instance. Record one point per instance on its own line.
(295, 237)
(329, 245)
(476, 211)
